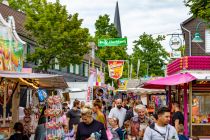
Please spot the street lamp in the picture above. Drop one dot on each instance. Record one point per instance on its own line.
(197, 37)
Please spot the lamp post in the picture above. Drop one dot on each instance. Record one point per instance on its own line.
(197, 37)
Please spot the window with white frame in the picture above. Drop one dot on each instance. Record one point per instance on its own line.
(207, 40)
(86, 70)
(71, 68)
(56, 65)
(77, 69)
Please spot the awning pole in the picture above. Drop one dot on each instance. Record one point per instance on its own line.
(169, 97)
(5, 106)
(185, 110)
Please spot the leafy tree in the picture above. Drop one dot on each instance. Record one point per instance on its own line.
(182, 49)
(151, 54)
(105, 30)
(199, 8)
(58, 34)
(19, 4)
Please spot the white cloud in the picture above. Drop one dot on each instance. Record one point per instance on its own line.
(137, 16)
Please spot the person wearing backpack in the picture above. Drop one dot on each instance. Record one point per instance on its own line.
(161, 130)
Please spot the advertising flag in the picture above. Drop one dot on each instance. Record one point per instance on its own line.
(91, 81)
(115, 68)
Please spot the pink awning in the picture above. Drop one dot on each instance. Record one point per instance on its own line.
(171, 80)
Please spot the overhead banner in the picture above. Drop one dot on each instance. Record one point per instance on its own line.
(115, 68)
(112, 42)
(122, 84)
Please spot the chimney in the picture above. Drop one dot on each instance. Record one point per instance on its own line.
(5, 2)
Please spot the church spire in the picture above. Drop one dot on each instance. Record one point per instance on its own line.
(117, 20)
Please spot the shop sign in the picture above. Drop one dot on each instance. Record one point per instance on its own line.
(122, 84)
(175, 42)
(176, 54)
(115, 68)
(112, 42)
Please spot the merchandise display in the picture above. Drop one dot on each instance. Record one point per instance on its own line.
(54, 112)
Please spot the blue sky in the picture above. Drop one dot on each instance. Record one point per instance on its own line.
(137, 16)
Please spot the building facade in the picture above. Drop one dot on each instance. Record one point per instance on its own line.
(189, 29)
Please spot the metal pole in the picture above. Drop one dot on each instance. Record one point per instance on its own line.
(190, 39)
(185, 110)
(128, 68)
(138, 66)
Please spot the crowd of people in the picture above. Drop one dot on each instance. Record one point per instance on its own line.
(123, 120)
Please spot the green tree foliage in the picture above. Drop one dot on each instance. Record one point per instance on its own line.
(151, 54)
(105, 30)
(182, 49)
(199, 8)
(58, 34)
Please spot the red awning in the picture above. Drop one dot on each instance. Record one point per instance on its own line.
(171, 80)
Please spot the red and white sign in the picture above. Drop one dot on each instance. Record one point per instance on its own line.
(115, 68)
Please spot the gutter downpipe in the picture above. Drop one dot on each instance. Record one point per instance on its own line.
(190, 39)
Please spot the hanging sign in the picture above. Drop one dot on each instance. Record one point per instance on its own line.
(115, 68)
(112, 42)
(122, 84)
(100, 77)
(175, 42)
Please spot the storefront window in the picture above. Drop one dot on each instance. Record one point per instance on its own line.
(200, 108)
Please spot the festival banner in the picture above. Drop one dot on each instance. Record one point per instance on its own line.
(100, 78)
(115, 68)
(122, 83)
(91, 81)
(11, 48)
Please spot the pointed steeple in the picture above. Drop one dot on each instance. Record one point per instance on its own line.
(117, 20)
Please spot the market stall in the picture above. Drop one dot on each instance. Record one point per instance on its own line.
(153, 98)
(10, 85)
(192, 75)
